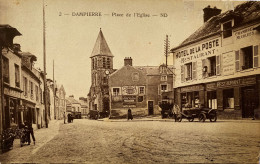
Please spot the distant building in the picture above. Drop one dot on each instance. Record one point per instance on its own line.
(60, 101)
(218, 65)
(101, 67)
(140, 88)
(72, 104)
(84, 105)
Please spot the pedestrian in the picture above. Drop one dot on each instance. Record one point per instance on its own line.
(64, 116)
(30, 133)
(129, 114)
(69, 118)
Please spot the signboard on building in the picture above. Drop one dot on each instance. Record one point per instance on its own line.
(244, 33)
(129, 100)
(129, 90)
(228, 63)
(199, 51)
(192, 88)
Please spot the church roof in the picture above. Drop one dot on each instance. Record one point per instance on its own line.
(101, 48)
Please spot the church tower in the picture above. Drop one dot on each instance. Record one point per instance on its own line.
(101, 67)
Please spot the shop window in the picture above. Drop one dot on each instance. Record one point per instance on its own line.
(141, 90)
(212, 99)
(227, 29)
(116, 91)
(164, 87)
(188, 71)
(228, 98)
(183, 99)
(5, 69)
(164, 78)
(196, 99)
(17, 75)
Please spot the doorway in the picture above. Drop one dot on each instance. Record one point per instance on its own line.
(150, 108)
(248, 102)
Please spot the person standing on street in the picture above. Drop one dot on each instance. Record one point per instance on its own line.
(129, 114)
(64, 117)
(30, 133)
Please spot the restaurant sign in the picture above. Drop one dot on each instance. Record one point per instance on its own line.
(192, 88)
(232, 83)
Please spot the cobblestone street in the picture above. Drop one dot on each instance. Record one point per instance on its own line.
(142, 141)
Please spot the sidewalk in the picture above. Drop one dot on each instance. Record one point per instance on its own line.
(42, 136)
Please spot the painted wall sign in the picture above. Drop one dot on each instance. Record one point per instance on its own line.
(129, 100)
(237, 82)
(129, 90)
(244, 33)
(198, 51)
(228, 63)
(192, 88)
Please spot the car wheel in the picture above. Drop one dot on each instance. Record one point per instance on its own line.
(191, 119)
(202, 117)
(213, 117)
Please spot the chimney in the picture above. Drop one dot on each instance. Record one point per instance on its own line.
(17, 47)
(128, 61)
(72, 96)
(210, 12)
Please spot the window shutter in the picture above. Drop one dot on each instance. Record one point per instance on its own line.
(182, 73)
(203, 65)
(194, 70)
(218, 64)
(256, 56)
(237, 60)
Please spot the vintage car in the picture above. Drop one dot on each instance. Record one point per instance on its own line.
(201, 113)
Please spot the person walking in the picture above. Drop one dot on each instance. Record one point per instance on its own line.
(30, 133)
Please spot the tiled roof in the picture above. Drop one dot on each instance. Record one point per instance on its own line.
(101, 47)
(246, 12)
(71, 100)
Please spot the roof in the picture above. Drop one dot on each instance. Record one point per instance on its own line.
(71, 100)
(7, 34)
(246, 13)
(101, 48)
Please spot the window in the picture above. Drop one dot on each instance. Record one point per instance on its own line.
(116, 91)
(31, 89)
(25, 86)
(164, 87)
(37, 93)
(247, 57)
(108, 63)
(93, 63)
(17, 75)
(188, 71)
(104, 62)
(227, 29)
(212, 66)
(141, 90)
(5, 70)
(140, 98)
(164, 78)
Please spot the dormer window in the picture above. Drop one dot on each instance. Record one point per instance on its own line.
(227, 29)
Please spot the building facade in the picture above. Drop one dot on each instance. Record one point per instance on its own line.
(218, 65)
(60, 101)
(140, 88)
(73, 105)
(101, 67)
(12, 87)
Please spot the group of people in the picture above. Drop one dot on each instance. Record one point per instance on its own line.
(70, 117)
(27, 132)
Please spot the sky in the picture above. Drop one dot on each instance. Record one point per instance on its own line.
(71, 39)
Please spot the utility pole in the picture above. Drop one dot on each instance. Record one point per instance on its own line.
(44, 67)
(1, 91)
(54, 94)
(166, 51)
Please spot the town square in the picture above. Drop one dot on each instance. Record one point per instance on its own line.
(129, 82)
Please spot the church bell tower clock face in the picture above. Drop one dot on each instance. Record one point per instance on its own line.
(107, 72)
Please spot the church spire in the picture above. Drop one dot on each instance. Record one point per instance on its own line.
(101, 48)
